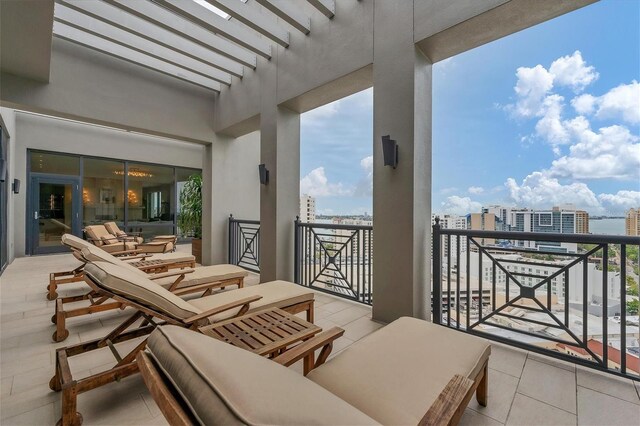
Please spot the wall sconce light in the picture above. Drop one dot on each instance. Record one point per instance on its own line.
(390, 151)
(264, 174)
(15, 186)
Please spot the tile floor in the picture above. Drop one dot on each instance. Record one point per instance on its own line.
(524, 388)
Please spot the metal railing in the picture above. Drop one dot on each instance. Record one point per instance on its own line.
(244, 243)
(562, 295)
(335, 259)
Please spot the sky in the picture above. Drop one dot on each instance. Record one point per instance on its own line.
(545, 116)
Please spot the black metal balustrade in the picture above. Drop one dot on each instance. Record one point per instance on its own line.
(519, 289)
(335, 259)
(244, 243)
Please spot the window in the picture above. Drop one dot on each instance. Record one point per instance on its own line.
(103, 191)
(59, 164)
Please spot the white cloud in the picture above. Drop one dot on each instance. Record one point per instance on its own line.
(540, 190)
(611, 153)
(621, 201)
(320, 115)
(550, 126)
(316, 184)
(475, 190)
(364, 188)
(621, 102)
(531, 89)
(584, 104)
(448, 190)
(460, 205)
(573, 71)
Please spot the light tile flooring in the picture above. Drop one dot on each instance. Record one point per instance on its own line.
(524, 388)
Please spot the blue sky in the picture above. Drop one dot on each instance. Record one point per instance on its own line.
(545, 116)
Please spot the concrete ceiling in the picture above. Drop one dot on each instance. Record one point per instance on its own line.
(25, 37)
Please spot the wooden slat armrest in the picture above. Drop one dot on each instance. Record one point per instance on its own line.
(172, 273)
(322, 340)
(214, 311)
(133, 257)
(450, 404)
(124, 253)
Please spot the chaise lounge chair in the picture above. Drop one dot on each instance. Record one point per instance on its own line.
(153, 303)
(160, 262)
(407, 373)
(115, 230)
(101, 237)
(181, 282)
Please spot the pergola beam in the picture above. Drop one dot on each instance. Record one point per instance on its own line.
(163, 18)
(145, 29)
(200, 15)
(292, 15)
(252, 18)
(96, 43)
(326, 7)
(116, 35)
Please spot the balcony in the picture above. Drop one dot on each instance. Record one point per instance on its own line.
(524, 387)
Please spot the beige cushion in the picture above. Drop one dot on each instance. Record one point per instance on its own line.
(222, 384)
(96, 254)
(113, 228)
(396, 373)
(96, 232)
(275, 294)
(205, 275)
(131, 285)
(156, 247)
(74, 242)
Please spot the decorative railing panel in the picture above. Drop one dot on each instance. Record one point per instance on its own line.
(568, 301)
(244, 243)
(335, 259)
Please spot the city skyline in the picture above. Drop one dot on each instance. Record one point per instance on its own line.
(549, 123)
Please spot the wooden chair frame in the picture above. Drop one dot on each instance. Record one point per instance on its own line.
(98, 303)
(76, 275)
(446, 410)
(63, 380)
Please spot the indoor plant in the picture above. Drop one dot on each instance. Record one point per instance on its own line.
(190, 216)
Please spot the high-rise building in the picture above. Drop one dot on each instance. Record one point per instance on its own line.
(484, 221)
(632, 222)
(307, 209)
(448, 221)
(582, 222)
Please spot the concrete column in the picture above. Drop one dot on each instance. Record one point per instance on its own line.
(230, 186)
(280, 198)
(401, 197)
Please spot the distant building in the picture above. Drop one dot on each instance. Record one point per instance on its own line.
(307, 209)
(484, 221)
(632, 222)
(448, 221)
(582, 222)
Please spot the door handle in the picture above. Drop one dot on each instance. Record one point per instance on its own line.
(35, 215)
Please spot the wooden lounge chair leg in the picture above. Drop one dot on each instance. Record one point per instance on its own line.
(61, 332)
(70, 417)
(310, 312)
(482, 392)
(241, 282)
(52, 287)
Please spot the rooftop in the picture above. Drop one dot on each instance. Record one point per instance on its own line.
(524, 388)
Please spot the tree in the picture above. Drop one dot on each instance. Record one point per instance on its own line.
(632, 286)
(190, 217)
(632, 307)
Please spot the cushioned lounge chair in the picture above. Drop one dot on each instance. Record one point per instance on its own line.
(409, 372)
(114, 230)
(180, 282)
(153, 304)
(160, 262)
(101, 237)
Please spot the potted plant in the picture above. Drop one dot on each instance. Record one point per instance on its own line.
(190, 216)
